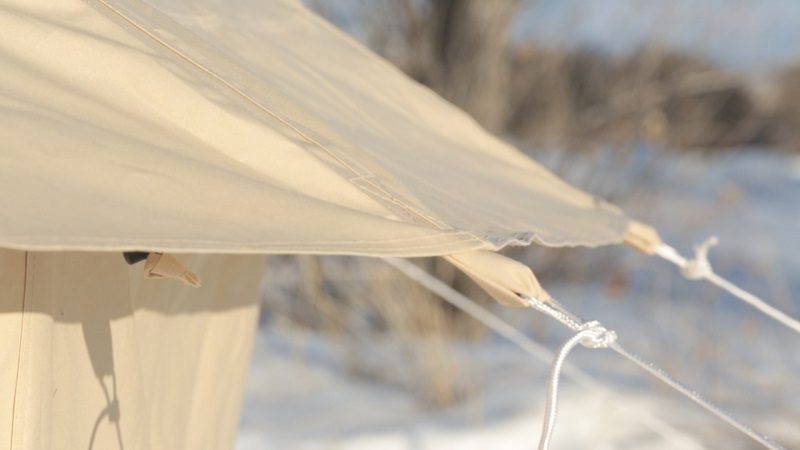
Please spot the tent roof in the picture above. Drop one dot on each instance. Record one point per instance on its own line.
(249, 127)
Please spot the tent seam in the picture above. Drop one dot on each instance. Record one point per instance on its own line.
(419, 245)
(377, 186)
(19, 349)
(453, 232)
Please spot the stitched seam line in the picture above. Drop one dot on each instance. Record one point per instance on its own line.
(19, 348)
(457, 236)
(263, 108)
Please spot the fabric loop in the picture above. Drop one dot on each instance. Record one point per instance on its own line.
(164, 265)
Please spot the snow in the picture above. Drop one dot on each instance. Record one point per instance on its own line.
(301, 395)
(309, 403)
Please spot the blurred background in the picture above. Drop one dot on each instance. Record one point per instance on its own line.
(687, 115)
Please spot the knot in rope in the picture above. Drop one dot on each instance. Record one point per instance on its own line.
(699, 267)
(588, 334)
(598, 336)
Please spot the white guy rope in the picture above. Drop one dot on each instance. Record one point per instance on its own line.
(700, 268)
(562, 315)
(568, 319)
(591, 335)
(675, 437)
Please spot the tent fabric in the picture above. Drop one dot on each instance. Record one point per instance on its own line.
(642, 237)
(226, 128)
(249, 127)
(94, 356)
(501, 277)
(164, 265)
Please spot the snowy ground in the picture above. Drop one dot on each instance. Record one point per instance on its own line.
(300, 395)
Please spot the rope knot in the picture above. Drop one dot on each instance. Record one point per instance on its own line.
(598, 336)
(699, 267)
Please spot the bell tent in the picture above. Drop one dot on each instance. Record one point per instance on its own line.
(206, 133)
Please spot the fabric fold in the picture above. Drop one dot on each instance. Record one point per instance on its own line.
(501, 277)
(642, 237)
(164, 265)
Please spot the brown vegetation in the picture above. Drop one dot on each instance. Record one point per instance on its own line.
(677, 100)
(785, 115)
(572, 98)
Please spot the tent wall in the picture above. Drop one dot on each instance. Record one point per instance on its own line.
(94, 356)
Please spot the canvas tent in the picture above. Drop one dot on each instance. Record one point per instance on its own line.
(219, 131)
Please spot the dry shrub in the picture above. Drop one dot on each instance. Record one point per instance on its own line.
(578, 97)
(703, 106)
(372, 311)
(785, 117)
(554, 92)
(569, 98)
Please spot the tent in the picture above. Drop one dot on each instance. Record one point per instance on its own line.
(207, 133)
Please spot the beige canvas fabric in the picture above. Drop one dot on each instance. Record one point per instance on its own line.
(642, 237)
(503, 278)
(94, 356)
(164, 265)
(249, 127)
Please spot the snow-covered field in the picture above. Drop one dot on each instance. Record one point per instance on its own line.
(302, 396)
